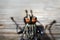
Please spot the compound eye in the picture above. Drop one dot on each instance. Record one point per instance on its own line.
(33, 20)
(27, 20)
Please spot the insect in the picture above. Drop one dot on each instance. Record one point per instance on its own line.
(32, 31)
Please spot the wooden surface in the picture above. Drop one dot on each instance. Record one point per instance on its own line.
(45, 10)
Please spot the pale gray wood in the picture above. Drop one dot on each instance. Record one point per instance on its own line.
(45, 10)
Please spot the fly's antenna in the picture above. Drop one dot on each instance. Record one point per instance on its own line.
(31, 12)
(26, 13)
